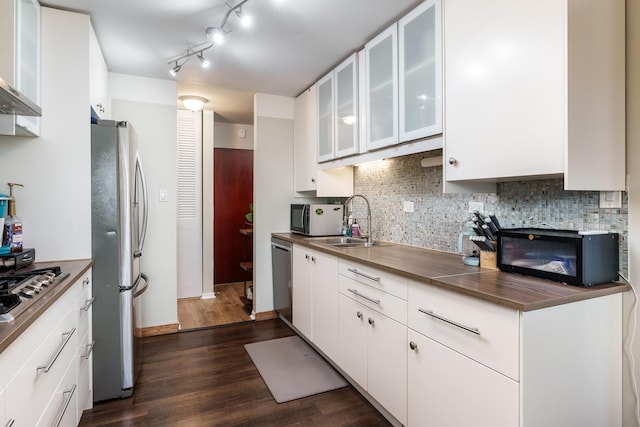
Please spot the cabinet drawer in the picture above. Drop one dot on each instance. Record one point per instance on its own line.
(30, 341)
(28, 393)
(382, 302)
(482, 331)
(63, 403)
(376, 278)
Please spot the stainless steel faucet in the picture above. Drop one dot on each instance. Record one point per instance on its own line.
(346, 204)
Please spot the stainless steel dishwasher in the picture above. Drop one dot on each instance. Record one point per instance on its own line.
(281, 271)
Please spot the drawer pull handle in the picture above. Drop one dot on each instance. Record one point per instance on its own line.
(413, 345)
(65, 405)
(10, 423)
(89, 304)
(89, 350)
(358, 294)
(55, 356)
(359, 273)
(451, 322)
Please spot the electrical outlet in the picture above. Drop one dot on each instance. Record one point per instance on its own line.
(476, 206)
(408, 207)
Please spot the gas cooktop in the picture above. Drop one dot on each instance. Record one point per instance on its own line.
(18, 289)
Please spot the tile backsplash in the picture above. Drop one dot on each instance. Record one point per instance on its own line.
(439, 218)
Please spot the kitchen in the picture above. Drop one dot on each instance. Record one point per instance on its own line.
(151, 103)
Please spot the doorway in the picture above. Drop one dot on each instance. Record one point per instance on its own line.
(226, 192)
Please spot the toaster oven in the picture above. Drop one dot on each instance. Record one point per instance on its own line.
(572, 257)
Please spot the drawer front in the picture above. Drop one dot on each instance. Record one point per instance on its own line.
(61, 409)
(29, 341)
(482, 331)
(28, 393)
(382, 302)
(375, 278)
(84, 363)
(83, 306)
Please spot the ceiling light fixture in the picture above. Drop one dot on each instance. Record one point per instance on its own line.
(193, 103)
(215, 36)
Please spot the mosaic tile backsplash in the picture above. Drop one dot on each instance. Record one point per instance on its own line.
(438, 219)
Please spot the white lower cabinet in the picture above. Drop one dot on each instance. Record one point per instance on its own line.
(315, 297)
(3, 420)
(42, 389)
(446, 388)
(84, 353)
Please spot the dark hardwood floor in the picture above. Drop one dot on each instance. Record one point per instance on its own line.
(206, 378)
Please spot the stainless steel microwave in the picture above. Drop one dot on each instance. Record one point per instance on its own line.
(316, 219)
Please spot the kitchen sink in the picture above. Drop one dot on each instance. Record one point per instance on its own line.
(346, 242)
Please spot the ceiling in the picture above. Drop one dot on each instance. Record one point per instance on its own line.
(290, 44)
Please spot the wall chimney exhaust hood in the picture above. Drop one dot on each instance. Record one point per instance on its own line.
(14, 103)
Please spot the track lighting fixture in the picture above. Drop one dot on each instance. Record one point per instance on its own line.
(215, 36)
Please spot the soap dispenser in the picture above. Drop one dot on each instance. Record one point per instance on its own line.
(12, 235)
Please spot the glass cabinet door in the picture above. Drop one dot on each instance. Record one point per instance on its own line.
(346, 111)
(325, 118)
(381, 81)
(420, 71)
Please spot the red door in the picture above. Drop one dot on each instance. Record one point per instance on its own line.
(233, 192)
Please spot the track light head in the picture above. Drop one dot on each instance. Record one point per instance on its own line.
(174, 71)
(203, 61)
(215, 34)
(245, 20)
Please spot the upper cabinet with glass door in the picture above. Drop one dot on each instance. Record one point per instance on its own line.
(381, 82)
(338, 111)
(420, 71)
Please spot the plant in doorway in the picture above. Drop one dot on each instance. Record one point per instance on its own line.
(249, 217)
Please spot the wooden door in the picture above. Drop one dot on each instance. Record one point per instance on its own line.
(232, 194)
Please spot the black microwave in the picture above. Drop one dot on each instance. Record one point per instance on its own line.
(568, 256)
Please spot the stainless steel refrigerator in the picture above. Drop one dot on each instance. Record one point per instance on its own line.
(118, 226)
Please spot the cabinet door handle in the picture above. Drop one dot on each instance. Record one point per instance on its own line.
(413, 345)
(88, 304)
(89, 350)
(85, 281)
(306, 256)
(449, 321)
(313, 259)
(359, 273)
(359, 315)
(358, 294)
(55, 356)
(452, 161)
(371, 321)
(10, 423)
(65, 404)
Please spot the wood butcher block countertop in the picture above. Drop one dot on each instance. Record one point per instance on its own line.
(12, 330)
(446, 270)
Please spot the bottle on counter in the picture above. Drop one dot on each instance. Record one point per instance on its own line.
(12, 233)
(355, 229)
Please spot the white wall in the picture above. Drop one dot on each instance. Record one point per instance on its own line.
(272, 186)
(150, 105)
(55, 203)
(633, 171)
(227, 135)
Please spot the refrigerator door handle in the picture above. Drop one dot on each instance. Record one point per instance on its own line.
(137, 292)
(145, 207)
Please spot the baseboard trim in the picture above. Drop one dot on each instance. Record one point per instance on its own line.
(151, 331)
(266, 315)
(208, 295)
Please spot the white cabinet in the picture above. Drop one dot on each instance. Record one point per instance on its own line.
(381, 82)
(536, 90)
(448, 389)
(20, 64)
(372, 335)
(315, 298)
(98, 79)
(338, 111)
(420, 71)
(336, 182)
(43, 384)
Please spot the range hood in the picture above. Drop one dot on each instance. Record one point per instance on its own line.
(14, 103)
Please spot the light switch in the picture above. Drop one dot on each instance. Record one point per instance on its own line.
(242, 133)
(408, 207)
(163, 195)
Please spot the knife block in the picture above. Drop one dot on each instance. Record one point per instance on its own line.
(488, 259)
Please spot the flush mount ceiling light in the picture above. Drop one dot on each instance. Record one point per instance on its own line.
(215, 36)
(193, 103)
